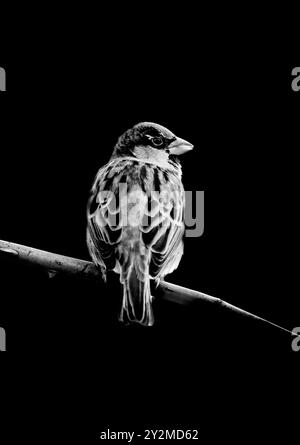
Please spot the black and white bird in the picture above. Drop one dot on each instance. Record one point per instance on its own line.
(136, 214)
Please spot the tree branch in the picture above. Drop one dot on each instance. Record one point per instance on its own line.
(59, 263)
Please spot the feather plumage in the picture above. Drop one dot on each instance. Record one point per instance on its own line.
(135, 225)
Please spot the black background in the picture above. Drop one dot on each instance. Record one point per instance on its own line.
(66, 103)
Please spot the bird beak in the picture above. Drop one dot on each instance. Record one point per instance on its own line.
(180, 146)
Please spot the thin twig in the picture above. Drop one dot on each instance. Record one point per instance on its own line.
(59, 263)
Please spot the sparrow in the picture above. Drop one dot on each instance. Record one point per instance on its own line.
(135, 215)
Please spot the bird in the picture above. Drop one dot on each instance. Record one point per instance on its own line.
(135, 215)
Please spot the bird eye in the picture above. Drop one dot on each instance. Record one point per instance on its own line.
(157, 141)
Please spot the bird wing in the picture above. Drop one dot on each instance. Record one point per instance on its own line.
(164, 233)
(161, 227)
(104, 230)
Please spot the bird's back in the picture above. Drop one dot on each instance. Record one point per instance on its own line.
(135, 225)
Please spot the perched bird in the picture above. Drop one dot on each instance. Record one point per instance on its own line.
(135, 214)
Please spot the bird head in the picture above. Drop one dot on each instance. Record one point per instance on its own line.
(151, 141)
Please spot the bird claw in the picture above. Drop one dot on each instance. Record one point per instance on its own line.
(103, 274)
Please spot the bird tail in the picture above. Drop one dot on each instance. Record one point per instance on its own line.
(136, 305)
